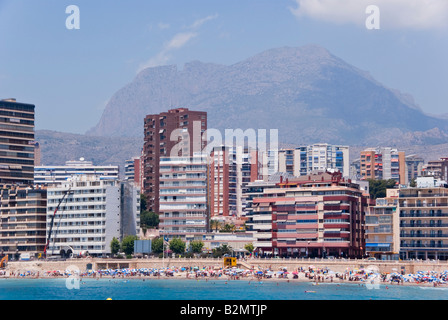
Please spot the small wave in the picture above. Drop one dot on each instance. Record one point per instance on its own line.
(433, 288)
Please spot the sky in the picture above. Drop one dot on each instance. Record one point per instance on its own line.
(71, 73)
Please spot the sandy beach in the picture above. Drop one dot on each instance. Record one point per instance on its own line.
(198, 272)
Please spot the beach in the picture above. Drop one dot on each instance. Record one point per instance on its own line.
(362, 272)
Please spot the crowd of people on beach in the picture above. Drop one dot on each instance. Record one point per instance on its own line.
(311, 273)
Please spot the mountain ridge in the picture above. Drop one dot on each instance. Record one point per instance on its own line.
(306, 92)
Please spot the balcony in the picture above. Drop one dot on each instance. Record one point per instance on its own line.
(427, 246)
(424, 225)
(410, 235)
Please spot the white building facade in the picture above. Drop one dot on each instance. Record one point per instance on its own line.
(183, 197)
(57, 174)
(91, 214)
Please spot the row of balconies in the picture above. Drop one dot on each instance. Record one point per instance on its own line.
(410, 235)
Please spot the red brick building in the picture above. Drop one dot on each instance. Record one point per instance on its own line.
(177, 132)
(315, 216)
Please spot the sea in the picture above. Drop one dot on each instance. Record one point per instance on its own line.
(202, 290)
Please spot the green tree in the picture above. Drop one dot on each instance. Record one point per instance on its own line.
(221, 250)
(157, 245)
(378, 187)
(143, 203)
(228, 228)
(196, 246)
(127, 245)
(215, 224)
(249, 247)
(177, 245)
(114, 246)
(149, 219)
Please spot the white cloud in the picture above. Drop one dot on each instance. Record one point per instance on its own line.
(408, 14)
(200, 22)
(178, 41)
(163, 26)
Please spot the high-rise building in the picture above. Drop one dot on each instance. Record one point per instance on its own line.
(16, 142)
(178, 132)
(91, 214)
(423, 223)
(231, 169)
(183, 197)
(133, 171)
(383, 164)
(383, 227)
(317, 215)
(414, 167)
(304, 160)
(23, 219)
(259, 222)
(437, 169)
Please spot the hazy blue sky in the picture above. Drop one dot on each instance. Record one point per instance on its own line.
(71, 74)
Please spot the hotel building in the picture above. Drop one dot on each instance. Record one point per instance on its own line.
(16, 142)
(259, 222)
(58, 174)
(183, 197)
(23, 212)
(316, 216)
(437, 169)
(383, 227)
(304, 160)
(423, 223)
(93, 212)
(383, 164)
(178, 132)
(231, 169)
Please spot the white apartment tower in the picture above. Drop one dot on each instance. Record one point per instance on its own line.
(92, 213)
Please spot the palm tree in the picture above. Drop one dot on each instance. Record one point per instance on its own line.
(215, 224)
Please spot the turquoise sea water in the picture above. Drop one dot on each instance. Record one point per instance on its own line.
(172, 289)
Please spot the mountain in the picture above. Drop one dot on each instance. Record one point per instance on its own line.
(59, 147)
(307, 93)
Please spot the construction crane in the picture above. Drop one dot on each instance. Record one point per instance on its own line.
(4, 261)
(52, 220)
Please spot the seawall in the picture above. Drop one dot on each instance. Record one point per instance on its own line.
(84, 264)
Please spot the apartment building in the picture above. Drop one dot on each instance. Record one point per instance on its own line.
(178, 132)
(16, 142)
(383, 227)
(414, 167)
(304, 160)
(92, 212)
(423, 223)
(183, 197)
(133, 171)
(23, 211)
(230, 170)
(317, 215)
(259, 222)
(383, 164)
(437, 169)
